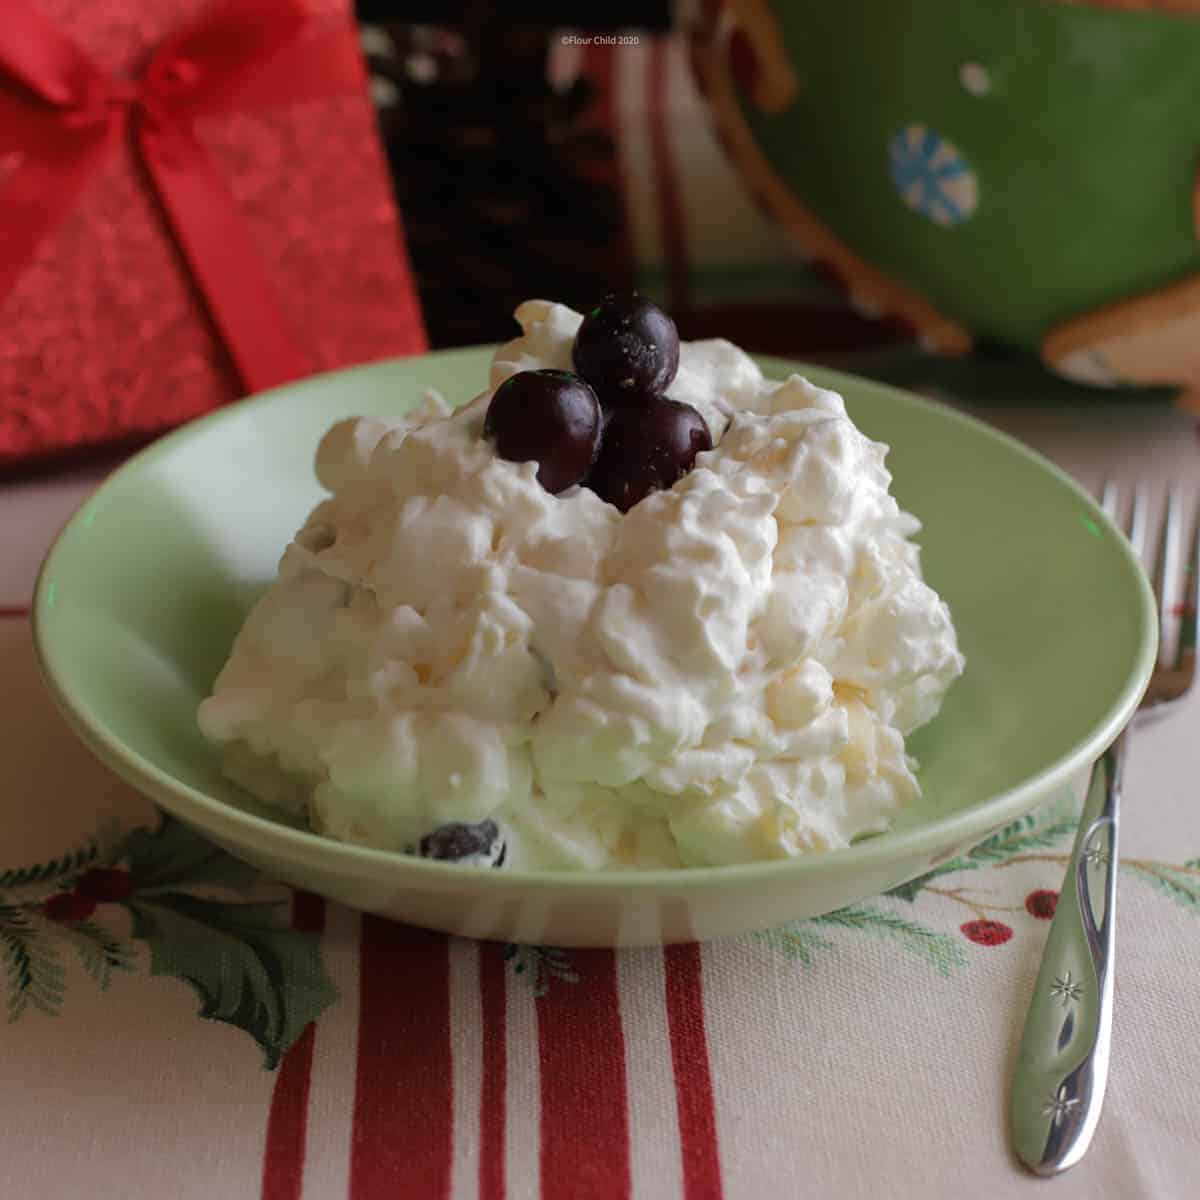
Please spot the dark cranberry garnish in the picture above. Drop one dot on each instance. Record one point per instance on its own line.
(646, 450)
(548, 417)
(628, 349)
(481, 844)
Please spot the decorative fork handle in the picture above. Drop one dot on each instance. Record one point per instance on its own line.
(1062, 1066)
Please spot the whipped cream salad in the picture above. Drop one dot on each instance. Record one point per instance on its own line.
(716, 666)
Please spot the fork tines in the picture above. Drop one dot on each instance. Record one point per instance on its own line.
(1176, 575)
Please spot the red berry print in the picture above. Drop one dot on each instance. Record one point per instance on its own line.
(986, 933)
(105, 884)
(68, 908)
(1041, 904)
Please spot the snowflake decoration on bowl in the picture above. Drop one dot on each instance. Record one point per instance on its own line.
(931, 175)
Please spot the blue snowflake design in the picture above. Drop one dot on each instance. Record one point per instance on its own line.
(931, 175)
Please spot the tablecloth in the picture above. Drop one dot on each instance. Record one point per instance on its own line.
(177, 1027)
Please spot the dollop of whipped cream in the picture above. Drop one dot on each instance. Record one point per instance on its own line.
(725, 673)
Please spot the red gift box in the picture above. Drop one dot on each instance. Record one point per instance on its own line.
(193, 205)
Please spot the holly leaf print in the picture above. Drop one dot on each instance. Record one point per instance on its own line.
(1181, 884)
(798, 941)
(1040, 830)
(100, 850)
(33, 968)
(1019, 837)
(74, 863)
(100, 952)
(801, 940)
(247, 966)
(939, 949)
(172, 855)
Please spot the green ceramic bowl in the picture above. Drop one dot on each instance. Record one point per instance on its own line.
(1015, 163)
(141, 596)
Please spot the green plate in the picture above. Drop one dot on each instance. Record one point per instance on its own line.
(140, 598)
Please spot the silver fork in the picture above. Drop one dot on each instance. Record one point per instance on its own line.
(1062, 1066)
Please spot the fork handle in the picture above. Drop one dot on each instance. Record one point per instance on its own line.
(1062, 1066)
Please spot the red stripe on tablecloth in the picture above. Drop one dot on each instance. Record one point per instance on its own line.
(494, 1003)
(670, 208)
(287, 1123)
(693, 1076)
(404, 1092)
(581, 1052)
(13, 612)
(287, 1126)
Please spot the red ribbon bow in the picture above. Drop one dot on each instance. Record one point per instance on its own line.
(63, 115)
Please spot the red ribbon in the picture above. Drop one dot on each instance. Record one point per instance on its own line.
(63, 115)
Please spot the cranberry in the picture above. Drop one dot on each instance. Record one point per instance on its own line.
(647, 449)
(628, 349)
(68, 907)
(105, 884)
(986, 933)
(481, 844)
(548, 417)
